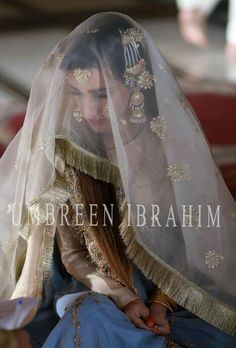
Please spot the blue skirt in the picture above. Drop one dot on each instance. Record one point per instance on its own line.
(95, 321)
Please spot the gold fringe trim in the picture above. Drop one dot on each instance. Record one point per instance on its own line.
(175, 285)
(56, 194)
(88, 163)
(47, 254)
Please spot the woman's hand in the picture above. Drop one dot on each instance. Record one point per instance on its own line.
(158, 321)
(138, 313)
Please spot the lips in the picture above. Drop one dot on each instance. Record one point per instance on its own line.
(96, 121)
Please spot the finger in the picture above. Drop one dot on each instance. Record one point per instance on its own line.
(151, 321)
(162, 330)
(140, 323)
(145, 312)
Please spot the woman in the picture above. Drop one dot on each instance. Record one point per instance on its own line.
(115, 169)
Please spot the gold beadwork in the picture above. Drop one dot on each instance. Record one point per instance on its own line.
(159, 126)
(132, 36)
(178, 172)
(213, 259)
(75, 317)
(136, 72)
(82, 75)
(146, 80)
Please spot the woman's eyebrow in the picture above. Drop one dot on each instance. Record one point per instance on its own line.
(103, 89)
(73, 88)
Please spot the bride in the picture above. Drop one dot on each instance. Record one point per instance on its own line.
(107, 127)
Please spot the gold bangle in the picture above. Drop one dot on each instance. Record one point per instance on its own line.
(164, 304)
(160, 296)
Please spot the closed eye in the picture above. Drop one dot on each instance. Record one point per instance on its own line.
(99, 93)
(74, 91)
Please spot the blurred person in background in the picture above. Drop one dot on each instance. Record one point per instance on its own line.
(192, 19)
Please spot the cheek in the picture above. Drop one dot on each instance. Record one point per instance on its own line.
(122, 102)
(77, 101)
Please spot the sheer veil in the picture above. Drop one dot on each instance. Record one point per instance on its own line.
(182, 217)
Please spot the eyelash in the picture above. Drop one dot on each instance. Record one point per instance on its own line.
(100, 96)
(76, 93)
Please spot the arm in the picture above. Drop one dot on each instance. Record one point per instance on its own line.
(75, 257)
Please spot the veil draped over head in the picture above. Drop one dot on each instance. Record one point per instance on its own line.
(178, 217)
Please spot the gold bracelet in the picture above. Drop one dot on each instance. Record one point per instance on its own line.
(160, 296)
(164, 304)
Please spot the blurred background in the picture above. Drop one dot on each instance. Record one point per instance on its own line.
(29, 29)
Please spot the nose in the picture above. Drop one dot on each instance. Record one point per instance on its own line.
(90, 108)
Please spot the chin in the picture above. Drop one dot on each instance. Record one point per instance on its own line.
(100, 131)
(103, 128)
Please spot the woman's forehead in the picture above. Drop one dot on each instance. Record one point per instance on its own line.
(86, 79)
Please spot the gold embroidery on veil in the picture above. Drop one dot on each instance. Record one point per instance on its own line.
(178, 172)
(82, 75)
(158, 126)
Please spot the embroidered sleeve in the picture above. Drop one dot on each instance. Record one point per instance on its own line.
(77, 261)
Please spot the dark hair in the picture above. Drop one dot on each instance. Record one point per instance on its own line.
(102, 42)
(107, 237)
